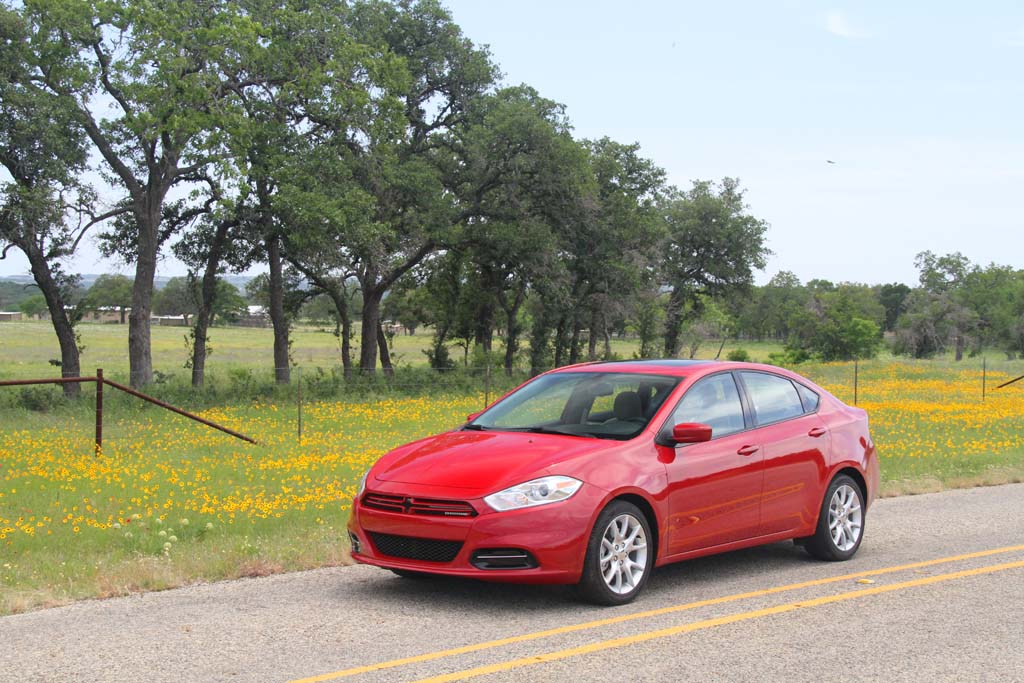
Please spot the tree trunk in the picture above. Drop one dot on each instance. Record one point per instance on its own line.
(69, 359)
(607, 341)
(207, 294)
(368, 329)
(140, 355)
(122, 311)
(282, 364)
(592, 337)
(673, 323)
(484, 329)
(960, 342)
(385, 353)
(340, 299)
(574, 344)
(560, 340)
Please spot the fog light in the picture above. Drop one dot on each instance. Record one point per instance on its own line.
(357, 547)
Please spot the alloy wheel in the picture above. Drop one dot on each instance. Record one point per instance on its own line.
(623, 554)
(845, 517)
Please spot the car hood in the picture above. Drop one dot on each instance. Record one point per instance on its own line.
(484, 462)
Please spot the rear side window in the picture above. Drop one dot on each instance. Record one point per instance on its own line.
(809, 398)
(713, 401)
(774, 398)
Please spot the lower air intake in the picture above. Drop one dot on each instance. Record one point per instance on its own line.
(414, 548)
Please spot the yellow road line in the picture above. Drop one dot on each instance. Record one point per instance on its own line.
(710, 623)
(476, 647)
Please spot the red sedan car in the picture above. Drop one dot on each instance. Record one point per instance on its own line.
(595, 474)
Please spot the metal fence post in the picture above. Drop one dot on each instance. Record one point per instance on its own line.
(99, 411)
(487, 382)
(856, 373)
(984, 376)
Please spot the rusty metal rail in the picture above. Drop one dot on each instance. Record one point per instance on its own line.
(1006, 384)
(100, 380)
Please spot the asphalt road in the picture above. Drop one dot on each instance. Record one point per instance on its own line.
(936, 593)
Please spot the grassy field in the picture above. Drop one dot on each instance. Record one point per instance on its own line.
(27, 347)
(171, 502)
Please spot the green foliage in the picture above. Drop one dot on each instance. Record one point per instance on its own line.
(39, 399)
(840, 323)
(649, 316)
(789, 357)
(110, 290)
(33, 306)
(13, 293)
(713, 247)
(892, 297)
(738, 355)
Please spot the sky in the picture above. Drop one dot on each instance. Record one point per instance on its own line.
(920, 105)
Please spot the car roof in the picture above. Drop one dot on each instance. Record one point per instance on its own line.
(665, 366)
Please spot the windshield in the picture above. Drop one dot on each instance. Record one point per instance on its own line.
(605, 405)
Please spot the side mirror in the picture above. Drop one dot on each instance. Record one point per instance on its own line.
(691, 432)
(473, 416)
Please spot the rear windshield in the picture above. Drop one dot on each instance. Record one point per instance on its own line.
(605, 405)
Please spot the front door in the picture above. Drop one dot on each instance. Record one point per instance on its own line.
(715, 486)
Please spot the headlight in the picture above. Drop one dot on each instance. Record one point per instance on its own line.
(362, 484)
(535, 492)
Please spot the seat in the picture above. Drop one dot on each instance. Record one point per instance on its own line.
(628, 406)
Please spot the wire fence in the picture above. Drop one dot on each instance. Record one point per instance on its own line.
(291, 393)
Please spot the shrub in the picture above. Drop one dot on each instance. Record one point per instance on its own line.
(739, 355)
(39, 399)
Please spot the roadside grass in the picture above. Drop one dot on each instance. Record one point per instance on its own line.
(76, 526)
(169, 501)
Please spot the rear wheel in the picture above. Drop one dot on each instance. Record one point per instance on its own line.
(840, 522)
(619, 556)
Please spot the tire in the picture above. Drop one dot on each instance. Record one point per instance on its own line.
(840, 522)
(617, 583)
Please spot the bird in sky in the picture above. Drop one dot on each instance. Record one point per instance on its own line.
(829, 161)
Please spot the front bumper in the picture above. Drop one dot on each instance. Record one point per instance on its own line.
(555, 535)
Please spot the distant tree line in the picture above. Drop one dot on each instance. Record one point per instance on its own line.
(368, 156)
(957, 307)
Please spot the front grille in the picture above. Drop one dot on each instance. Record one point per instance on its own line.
(413, 548)
(418, 506)
(503, 558)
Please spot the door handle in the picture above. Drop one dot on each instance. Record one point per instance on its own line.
(747, 450)
(817, 431)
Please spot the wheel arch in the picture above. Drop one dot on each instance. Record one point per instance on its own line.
(647, 509)
(857, 477)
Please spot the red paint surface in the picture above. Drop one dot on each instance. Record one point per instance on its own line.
(761, 485)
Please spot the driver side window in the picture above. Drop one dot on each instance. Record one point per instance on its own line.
(714, 401)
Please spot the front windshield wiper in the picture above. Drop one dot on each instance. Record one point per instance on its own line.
(474, 427)
(549, 430)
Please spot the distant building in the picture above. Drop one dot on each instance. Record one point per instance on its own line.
(255, 316)
(169, 320)
(10, 316)
(107, 314)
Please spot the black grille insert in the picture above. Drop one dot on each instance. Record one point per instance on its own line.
(418, 506)
(413, 548)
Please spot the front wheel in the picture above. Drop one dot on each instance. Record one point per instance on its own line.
(619, 556)
(840, 522)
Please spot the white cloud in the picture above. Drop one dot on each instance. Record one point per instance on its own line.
(837, 24)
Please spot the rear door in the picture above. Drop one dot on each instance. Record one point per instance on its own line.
(714, 487)
(795, 443)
